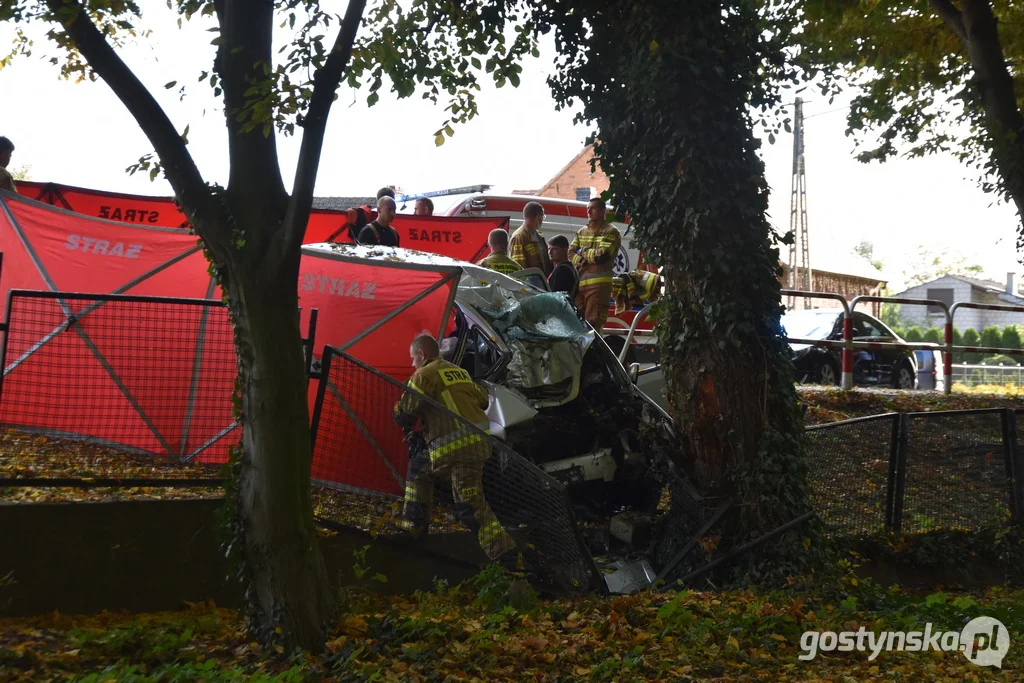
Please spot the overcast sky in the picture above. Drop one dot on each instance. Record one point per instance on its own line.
(80, 134)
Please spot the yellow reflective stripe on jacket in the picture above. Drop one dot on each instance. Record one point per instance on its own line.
(595, 279)
(450, 402)
(453, 447)
(448, 444)
(650, 282)
(490, 532)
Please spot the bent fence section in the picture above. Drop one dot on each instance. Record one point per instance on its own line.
(362, 474)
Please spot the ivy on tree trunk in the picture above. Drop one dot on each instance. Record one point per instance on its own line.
(669, 85)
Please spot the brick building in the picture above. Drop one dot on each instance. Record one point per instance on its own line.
(575, 180)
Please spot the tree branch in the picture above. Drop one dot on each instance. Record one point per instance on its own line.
(325, 84)
(948, 12)
(255, 186)
(179, 167)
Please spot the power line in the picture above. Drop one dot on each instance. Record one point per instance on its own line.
(830, 111)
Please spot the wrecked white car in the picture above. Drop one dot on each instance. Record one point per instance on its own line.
(559, 397)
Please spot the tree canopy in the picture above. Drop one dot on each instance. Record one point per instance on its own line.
(933, 77)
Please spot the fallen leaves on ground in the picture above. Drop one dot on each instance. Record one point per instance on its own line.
(832, 404)
(449, 634)
(31, 456)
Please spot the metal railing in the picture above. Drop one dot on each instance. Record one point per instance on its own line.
(978, 374)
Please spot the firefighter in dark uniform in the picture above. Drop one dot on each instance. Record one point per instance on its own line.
(451, 448)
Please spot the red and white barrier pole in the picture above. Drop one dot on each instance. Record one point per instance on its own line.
(847, 350)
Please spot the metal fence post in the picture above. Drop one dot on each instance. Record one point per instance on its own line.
(899, 445)
(947, 358)
(325, 370)
(310, 342)
(847, 350)
(3, 344)
(1013, 465)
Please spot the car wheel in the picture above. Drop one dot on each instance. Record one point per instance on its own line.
(827, 373)
(904, 377)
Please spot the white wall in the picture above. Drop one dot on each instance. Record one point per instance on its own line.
(965, 318)
(918, 315)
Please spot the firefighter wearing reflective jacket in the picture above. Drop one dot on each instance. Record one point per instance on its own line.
(635, 288)
(593, 252)
(449, 447)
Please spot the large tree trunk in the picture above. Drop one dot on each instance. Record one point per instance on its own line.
(682, 156)
(288, 585)
(978, 29)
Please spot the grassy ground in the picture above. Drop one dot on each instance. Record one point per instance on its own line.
(495, 630)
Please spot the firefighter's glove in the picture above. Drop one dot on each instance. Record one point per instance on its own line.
(414, 439)
(406, 421)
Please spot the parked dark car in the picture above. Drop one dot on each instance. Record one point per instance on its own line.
(821, 365)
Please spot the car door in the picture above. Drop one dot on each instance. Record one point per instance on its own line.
(884, 360)
(870, 361)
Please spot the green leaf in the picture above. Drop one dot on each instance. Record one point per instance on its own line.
(439, 139)
(170, 84)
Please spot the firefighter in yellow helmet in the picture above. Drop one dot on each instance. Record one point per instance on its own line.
(635, 288)
(593, 252)
(451, 448)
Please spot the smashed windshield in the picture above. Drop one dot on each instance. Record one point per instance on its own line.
(520, 311)
(809, 324)
(484, 288)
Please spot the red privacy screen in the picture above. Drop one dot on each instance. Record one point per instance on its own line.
(158, 376)
(463, 238)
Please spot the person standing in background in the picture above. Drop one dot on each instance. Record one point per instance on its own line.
(6, 179)
(527, 247)
(563, 276)
(593, 253)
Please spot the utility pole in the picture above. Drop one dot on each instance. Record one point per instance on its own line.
(800, 275)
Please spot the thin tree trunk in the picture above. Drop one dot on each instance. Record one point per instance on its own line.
(288, 580)
(978, 29)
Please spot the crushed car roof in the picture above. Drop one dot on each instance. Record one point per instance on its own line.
(412, 259)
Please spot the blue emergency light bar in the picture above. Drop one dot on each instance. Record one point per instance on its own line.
(442, 193)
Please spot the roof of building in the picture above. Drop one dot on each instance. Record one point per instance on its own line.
(342, 203)
(848, 264)
(990, 286)
(554, 178)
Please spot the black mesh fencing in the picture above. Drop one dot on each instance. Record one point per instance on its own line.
(850, 471)
(917, 472)
(109, 396)
(957, 475)
(390, 460)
